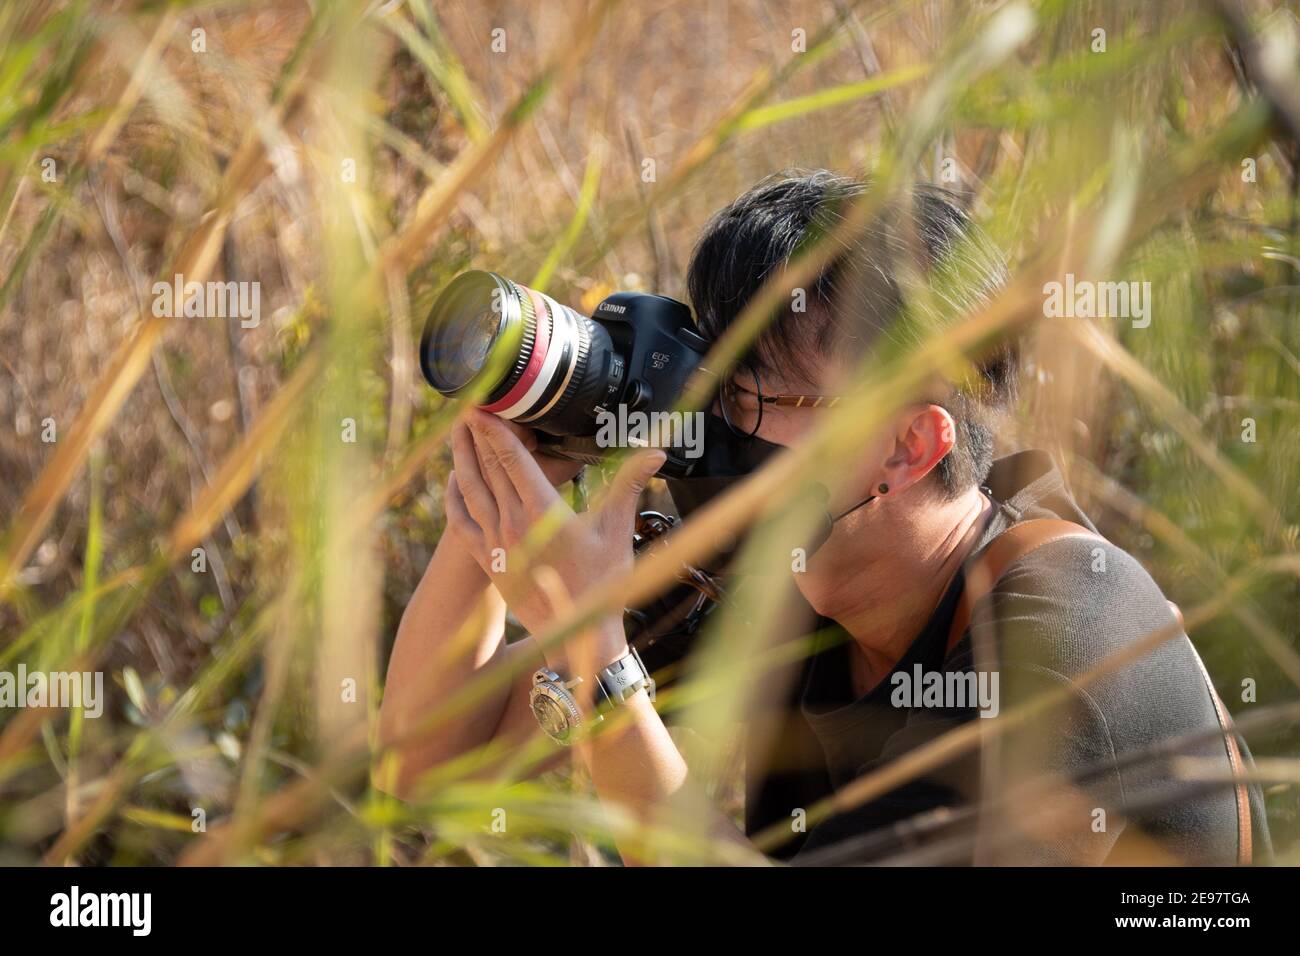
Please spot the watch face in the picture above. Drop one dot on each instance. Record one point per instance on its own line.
(553, 718)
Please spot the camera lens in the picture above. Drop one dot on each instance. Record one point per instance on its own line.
(522, 355)
(476, 312)
(460, 351)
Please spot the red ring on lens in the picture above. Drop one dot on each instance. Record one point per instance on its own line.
(535, 360)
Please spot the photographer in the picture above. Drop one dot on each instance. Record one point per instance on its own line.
(925, 500)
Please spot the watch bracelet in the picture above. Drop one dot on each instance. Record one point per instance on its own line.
(624, 685)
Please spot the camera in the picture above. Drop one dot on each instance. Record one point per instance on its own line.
(520, 354)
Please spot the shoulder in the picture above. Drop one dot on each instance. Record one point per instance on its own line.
(1067, 609)
(1088, 567)
(1070, 603)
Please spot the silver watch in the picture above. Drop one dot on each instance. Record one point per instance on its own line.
(557, 710)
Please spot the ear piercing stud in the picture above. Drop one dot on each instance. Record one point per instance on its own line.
(883, 489)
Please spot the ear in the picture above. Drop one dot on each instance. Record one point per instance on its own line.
(925, 436)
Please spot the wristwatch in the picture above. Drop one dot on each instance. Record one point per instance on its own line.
(557, 710)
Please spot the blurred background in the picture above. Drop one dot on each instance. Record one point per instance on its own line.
(227, 517)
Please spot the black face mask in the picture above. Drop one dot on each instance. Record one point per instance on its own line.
(729, 458)
(726, 459)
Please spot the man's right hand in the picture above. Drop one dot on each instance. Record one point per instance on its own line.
(557, 470)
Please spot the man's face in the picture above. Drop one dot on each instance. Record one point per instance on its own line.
(910, 438)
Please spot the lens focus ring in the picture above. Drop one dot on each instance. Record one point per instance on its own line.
(569, 337)
(528, 319)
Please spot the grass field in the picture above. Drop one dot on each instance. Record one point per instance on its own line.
(226, 516)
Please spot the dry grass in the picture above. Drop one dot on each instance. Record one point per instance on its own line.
(176, 434)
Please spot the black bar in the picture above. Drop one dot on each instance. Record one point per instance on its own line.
(435, 906)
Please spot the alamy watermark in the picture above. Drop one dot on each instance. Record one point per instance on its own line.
(75, 908)
(209, 300)
(60, 689)
(683, 432)
(947, 690)
(1085, 299)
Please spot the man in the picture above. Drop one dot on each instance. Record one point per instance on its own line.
(925, 500)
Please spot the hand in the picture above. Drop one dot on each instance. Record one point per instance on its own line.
(557, 470)
(497, 494)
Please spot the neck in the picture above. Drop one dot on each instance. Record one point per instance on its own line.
(884, 570)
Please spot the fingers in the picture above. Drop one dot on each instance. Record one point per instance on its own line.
(494, 473)
(556, 469)
(477, 496)
(459, 519)
(527, 436)
(625, 490)
(516, 463)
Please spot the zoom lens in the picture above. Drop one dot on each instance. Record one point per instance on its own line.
(519, 353)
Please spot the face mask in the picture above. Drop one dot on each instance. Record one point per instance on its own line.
(729, 458)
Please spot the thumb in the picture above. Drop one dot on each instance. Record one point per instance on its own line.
(630, 480)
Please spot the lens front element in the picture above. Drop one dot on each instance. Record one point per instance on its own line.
(460, 349)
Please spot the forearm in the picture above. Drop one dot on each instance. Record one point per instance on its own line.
(452, 629)
(636, 766)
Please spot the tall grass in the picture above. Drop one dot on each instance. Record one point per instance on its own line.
(584, 156)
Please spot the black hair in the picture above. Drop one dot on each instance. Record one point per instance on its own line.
(859, 296)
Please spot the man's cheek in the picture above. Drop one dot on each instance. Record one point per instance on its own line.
(859, 478)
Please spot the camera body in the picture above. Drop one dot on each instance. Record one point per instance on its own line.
(655, 351)
(527, 358)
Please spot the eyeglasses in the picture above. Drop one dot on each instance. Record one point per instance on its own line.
(733, 414)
